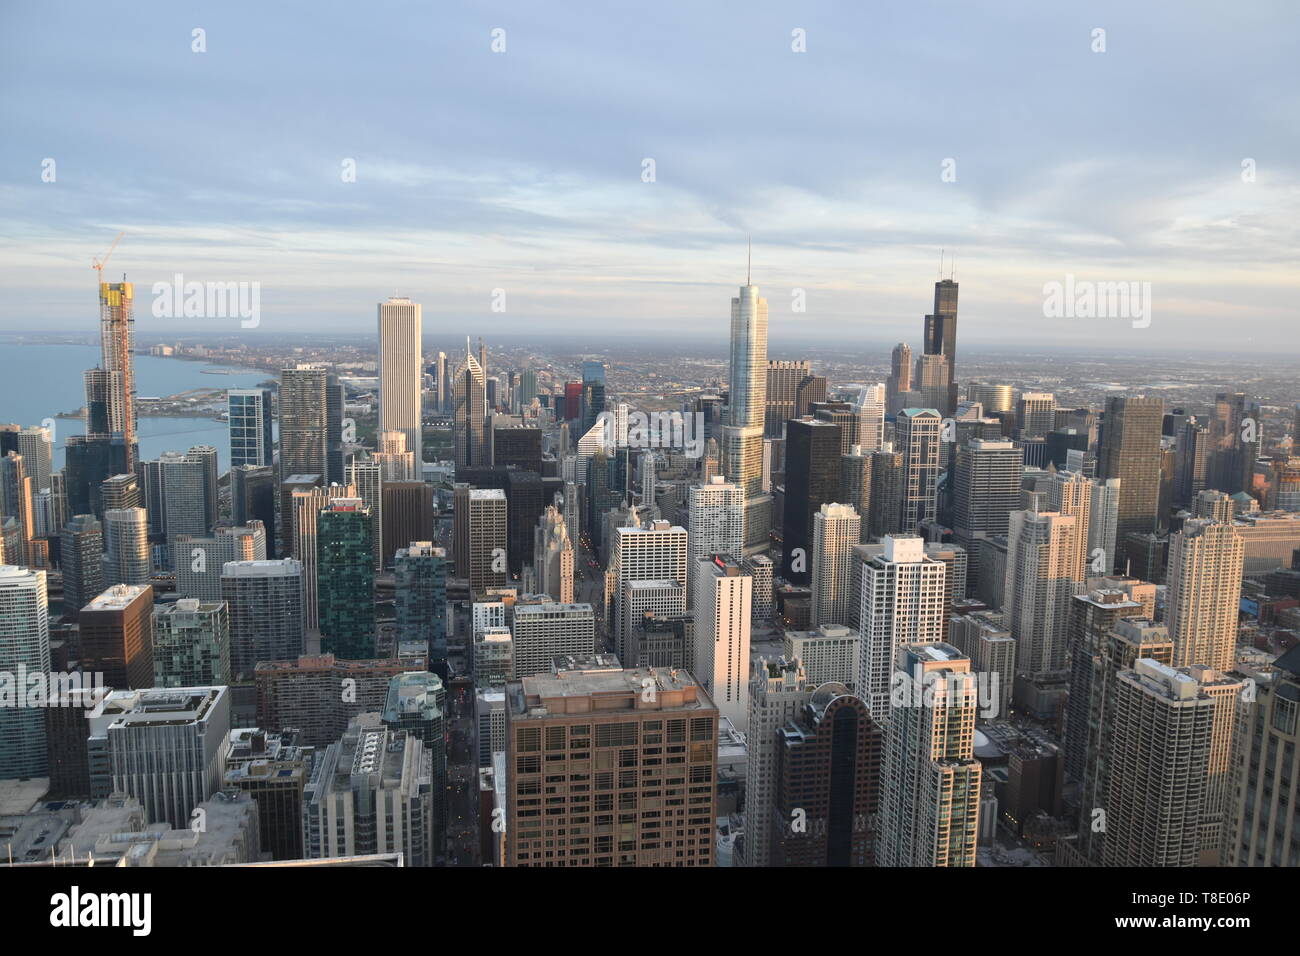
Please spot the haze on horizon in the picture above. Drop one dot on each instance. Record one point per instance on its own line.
(478, 171)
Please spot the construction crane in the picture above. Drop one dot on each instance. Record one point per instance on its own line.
(98, 264)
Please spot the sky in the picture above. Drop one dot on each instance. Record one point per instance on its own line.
(997, 132)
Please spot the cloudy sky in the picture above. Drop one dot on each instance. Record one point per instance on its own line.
(524, 170)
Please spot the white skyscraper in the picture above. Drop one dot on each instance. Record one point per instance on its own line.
(837, 529)
(1070, 493)
(543, 632)
(1103, 518)
(871, 417)
(401, 371)
(24, 650)
(742, 435)
(930, 780)
(36, 446)
(1204, 593)
(126, 546)
(653, 553)
(918, 432)
(903, 600)
(722, 603)
(1038, 588)
(716, 519)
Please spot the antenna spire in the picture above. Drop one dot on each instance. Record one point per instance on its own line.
(749, 260)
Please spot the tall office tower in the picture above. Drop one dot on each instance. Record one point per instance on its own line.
(1171, 742)
(527, 388)
(593, 390)
(395, 462)
(252, 498)
(420, 582)
(320, 694)
(1103, 519)
(184, 480)
(121, 491)
(36, 447)
(1262, 828)
(117, 636)
(592, 716)
(904, 593)
(986, 489)
(782, 394)
(1110, 636)
(871, 417)
(900, 378)
(993, 398)
(830, 653)
(931, 388)
(931, 780)
(1070, 493)
(493, 662)
(543, 632)
(198, 561)
(941, 333)
(1039, 585)
(371, 792)
(983, 638)
(656, 553)
(1130, 451)
(855, 485)
(401, 371)
(16, 502)
(366, 475)
(828, 772)
(842, 414)
(812, 479)
(444, 393)
(345, 579)
(24, 650)
(273, 768)
(82, 554)
(126, 547)
(117, 342)
(289, 486)
(264, 602)
(1236, 439)
(722, 604)
(886, 513)
(250, 421)
(308, 502)
(646, 475)
(469, 416)
(742, 436)
(1214, 506)
(778, 690)
(303, 411)
(918, 431)
(460, 529)
(486, 533)
(335, 406)
(525, 502)
(1036, 413)
(1192, 467)
(167, 748)
(59, 512)
(1284, 493)
(553, 557)
(89, 460)
(191, 644)
(837, 529)
(1206, 560)
(406, 513)
(716, 520)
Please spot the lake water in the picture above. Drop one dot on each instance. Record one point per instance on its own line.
(40, 381)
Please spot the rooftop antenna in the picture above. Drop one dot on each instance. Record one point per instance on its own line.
(954, 267)
(749, 260)
(941, 264)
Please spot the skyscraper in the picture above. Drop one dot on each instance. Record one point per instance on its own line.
(778, 690)
(900, 378)
(420, 582)
(918, 431)
(264, 600)
(742, 436)
(117, 342)
(117, 636)
(191, 644)
(486, 534)
(553, 557)
(592, 717)
(716, 522)
(24, 650)
(903, 602)
(82, 554)
(345, 579)
(36, 447)
(1204, 593)
(1038, 587)
(931, 779)
(543, 632)
(307, 504)
(250, 423)
(722, 604)
(126, 547)
(656, 553)
(469, 416)
(812, 479)
(1130, 451)
(303, 433)
(401, 371)
(941, 335)
(784, 377)
(837, 529)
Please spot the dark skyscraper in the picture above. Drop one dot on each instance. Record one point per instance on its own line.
(941, 333)
(345, 577)
(1130, 451)
(303, 401)
(252, 497)
(812, 479)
